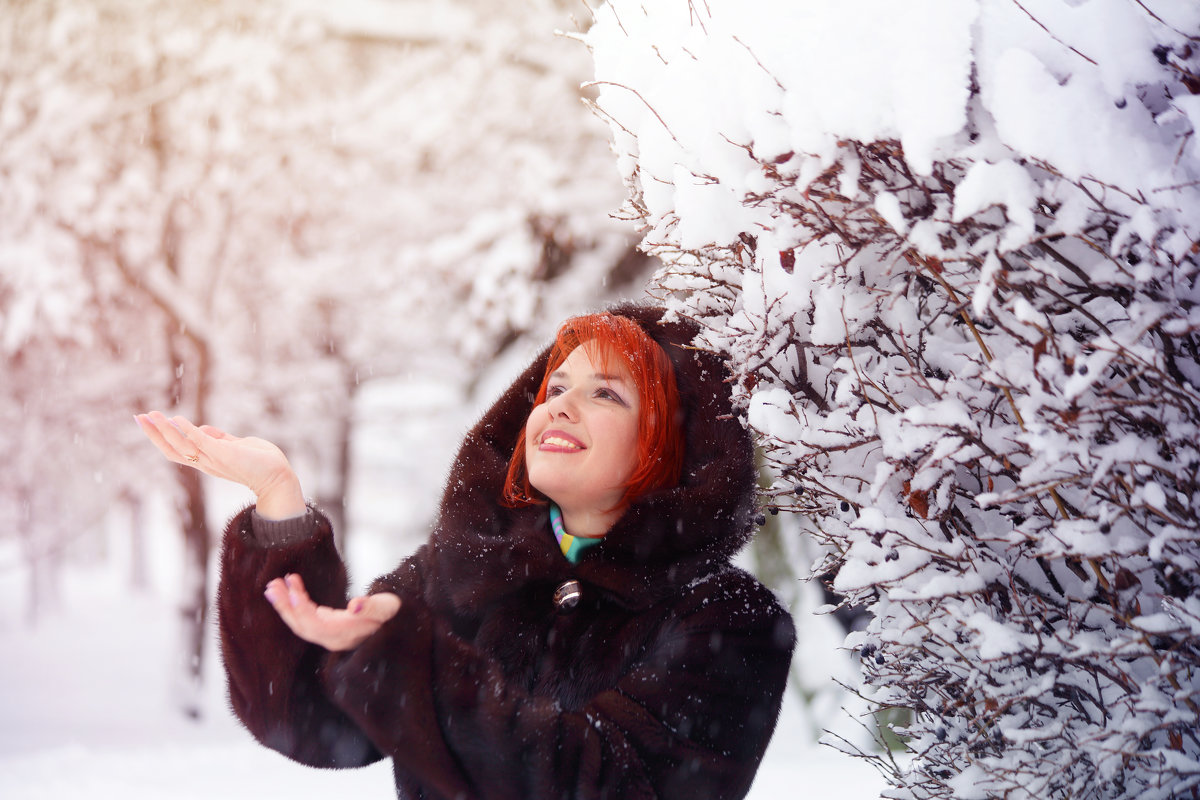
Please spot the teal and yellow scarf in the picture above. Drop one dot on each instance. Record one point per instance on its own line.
(572, 546)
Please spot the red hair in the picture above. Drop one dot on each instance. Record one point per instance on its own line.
(659, 435)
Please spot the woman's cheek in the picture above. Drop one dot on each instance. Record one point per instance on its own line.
(535, 423)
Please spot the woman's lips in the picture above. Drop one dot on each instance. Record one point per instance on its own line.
(557, 441)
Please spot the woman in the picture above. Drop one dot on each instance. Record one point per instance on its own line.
(573, 627)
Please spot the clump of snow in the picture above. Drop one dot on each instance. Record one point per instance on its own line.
(951, 249)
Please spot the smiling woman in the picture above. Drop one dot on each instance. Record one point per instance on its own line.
(604, 428)
(573, 627)
(581, 444)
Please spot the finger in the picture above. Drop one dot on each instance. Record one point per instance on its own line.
(280, 596)
(339, 629)
(380, 607)
(173, 440)
(305, 615)
(171, 433)
(153, 425)
(193, 436)
(207, 453)
(211, 448)
(331, 628)
(297, 594)
(377, 605)
(276, 594)
(147, 427)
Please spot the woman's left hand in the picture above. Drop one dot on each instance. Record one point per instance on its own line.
(331, 628)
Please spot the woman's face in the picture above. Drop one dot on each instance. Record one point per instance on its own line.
(581, 444)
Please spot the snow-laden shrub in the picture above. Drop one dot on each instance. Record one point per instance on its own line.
(952, 247)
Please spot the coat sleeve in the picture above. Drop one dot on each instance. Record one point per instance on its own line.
(273, 675)
(692, 717)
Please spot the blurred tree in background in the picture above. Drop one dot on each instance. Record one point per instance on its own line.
(244, 213)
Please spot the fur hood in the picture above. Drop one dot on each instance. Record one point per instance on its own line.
(664, 540)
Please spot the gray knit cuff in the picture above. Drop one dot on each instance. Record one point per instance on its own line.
(282, 532)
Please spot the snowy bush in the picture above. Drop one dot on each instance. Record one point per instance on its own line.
(952, 247)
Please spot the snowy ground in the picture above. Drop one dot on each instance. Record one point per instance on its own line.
(86, 710)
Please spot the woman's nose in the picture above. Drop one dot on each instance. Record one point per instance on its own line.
(562, 405)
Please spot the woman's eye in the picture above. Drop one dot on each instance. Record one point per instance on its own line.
(608, 394)
(552, 391)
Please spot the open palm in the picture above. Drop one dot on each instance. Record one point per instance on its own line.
(250, 461)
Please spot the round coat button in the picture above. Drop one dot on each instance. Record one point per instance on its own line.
(567, 595)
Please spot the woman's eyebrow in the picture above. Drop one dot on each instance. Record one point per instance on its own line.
(596, 376)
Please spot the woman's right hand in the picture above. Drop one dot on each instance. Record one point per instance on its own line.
(254, 463)
(334, 629)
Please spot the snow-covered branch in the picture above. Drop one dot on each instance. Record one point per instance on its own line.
(953, 251)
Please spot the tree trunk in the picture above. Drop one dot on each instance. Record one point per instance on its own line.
(194, 604)
(139, 573)
(43, 561)
(193, 520)
(29, 553)
(333, 495)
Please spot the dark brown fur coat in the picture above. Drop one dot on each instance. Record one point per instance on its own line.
(664, 682)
